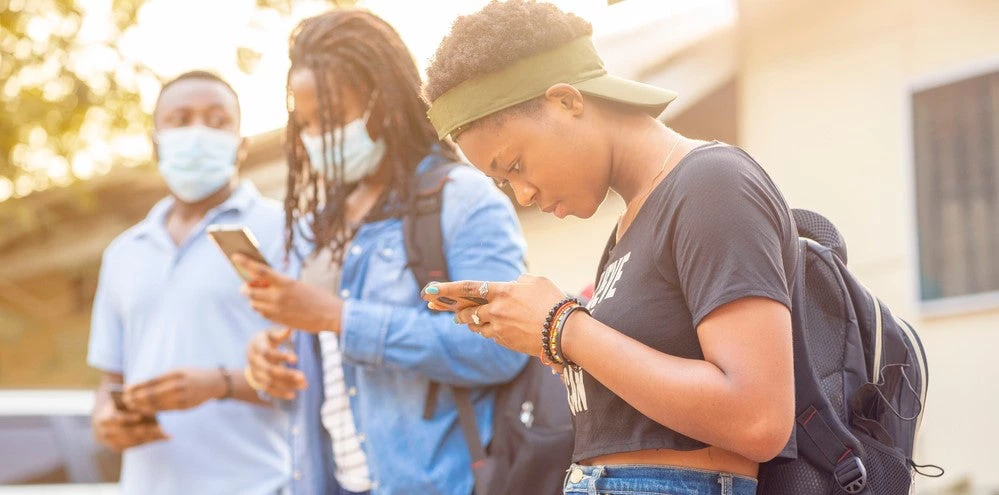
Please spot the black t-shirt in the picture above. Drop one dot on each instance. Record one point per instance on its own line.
(715, 230)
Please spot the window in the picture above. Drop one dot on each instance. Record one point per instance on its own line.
(956, 149)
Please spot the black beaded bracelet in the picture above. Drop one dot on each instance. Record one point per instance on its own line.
(560, 331)
(546, 330)
(557, 327)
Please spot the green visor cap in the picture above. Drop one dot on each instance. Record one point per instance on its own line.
(575, 63)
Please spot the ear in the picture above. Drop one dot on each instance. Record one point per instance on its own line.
(156, 147)
(242, 152)
(566, 97)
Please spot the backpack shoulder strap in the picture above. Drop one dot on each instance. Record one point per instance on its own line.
(421, 226)
(466, 418)
(424, 240)
(817, 435)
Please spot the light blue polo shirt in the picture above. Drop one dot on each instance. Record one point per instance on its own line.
(160, 307)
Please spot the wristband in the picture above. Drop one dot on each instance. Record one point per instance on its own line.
(227, 377)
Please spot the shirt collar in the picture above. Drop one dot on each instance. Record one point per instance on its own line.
(240, 201)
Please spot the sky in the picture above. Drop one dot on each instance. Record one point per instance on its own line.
(171, 40)
(174, 36)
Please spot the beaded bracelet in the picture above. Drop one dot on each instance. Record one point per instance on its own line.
(547, 333)
(556, 328)
(559, 320)
(545, 361)
(546, 337)
(560, 332)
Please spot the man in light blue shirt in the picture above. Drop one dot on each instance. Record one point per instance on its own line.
(169, 321)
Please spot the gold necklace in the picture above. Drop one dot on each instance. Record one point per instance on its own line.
(639, 201)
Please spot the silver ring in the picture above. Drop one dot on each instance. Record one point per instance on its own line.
(475, 317)
(484, 289)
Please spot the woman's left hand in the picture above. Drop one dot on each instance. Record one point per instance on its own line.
(287, 301)
(515, 314)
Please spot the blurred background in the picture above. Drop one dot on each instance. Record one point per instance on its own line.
(882, 115)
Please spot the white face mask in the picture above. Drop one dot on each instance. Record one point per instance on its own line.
(361, 155)
(196, 161)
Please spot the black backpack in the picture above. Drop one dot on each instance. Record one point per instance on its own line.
(532, 442)
(860, 380)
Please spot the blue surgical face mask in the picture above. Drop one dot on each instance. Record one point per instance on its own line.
(196, 161)
(361, 156)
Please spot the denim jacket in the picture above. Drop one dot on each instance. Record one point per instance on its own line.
(393, 346)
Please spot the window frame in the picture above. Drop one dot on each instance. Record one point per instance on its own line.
(948, 305)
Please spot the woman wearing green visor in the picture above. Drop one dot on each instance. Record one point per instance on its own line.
(679, 370)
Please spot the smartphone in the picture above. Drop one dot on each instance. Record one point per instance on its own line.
(236, 239)
(116, 390)
(461, 303)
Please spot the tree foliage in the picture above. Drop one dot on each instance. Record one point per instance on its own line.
(63, 97)
(66, 95)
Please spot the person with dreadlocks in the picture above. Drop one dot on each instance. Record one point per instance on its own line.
(679, 370)
(357, 138)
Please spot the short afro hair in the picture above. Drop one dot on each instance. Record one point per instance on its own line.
(496, 37)
(203, 75)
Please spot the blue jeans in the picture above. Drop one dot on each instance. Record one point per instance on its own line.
(654, 480)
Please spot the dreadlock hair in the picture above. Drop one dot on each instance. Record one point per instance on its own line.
(356, 49)
(494, 38)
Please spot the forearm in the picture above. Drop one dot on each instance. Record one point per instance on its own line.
(332, 316)
(101, 395)
(242, 391)
(430, 344)
(691, 396)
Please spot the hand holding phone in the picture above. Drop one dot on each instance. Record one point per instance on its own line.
(433, 294)
(118, 428)
(448, 304)
(514, 312)
(116, 391)
(235, 239)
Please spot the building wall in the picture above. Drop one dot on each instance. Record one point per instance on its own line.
(824, 105)
(47, 284)
(44, 325)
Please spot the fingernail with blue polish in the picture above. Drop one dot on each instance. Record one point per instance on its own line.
(433, 291)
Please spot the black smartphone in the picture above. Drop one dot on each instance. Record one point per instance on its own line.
(235, 239)
(115, 390)
(460, 304)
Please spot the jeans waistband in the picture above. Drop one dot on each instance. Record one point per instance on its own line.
(651, 479)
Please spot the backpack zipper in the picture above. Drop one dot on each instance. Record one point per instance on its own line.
(878, 331)
(924, 373)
